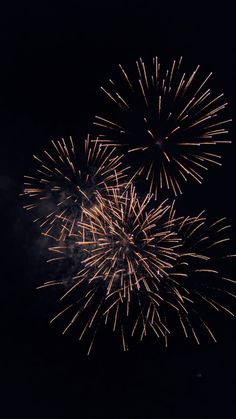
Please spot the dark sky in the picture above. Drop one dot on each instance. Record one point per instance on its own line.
(53, 60)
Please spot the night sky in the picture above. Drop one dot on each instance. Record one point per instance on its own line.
(53, 60)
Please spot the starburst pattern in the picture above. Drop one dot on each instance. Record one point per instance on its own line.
(66, 177)
(141, 269)
(171, 122)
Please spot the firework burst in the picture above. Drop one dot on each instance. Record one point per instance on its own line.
(169, 120)
(66, 177)
(141, 269)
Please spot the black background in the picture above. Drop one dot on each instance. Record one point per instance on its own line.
(52, 61)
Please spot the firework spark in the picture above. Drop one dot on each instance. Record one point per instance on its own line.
(140, 269)
(171, 121)
(66, 178)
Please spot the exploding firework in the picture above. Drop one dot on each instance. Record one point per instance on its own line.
(67, 177)
(171, 122)
(141, 269)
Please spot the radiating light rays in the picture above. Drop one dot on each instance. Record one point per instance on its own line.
(66, 177)
(128, 247)
(143, 270)
(169, 120)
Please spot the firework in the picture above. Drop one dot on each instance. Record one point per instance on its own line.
(141, 269)
(168, 120)
(66, 177)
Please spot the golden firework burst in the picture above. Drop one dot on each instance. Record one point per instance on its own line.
(170, 121)
(141, 269)
(66, 177)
